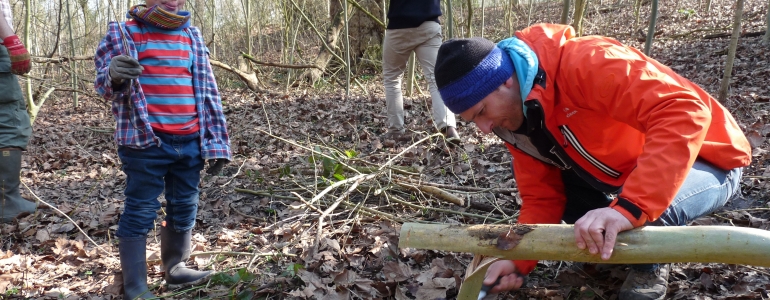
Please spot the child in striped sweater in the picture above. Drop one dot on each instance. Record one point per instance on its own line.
(155, 70)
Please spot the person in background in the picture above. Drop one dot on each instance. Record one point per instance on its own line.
(602, 136)
(15, 127)
(413, 26)
(155, 69)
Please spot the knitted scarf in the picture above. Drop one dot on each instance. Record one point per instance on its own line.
(160, 18)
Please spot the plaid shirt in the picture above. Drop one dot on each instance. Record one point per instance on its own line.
(6, 8)
(129, 106)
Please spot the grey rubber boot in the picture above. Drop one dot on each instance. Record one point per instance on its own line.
(174, 252)
(646, 285)
(134, 264)
(12, 205)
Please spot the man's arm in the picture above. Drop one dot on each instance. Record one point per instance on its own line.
(5, 27)
(20, 60)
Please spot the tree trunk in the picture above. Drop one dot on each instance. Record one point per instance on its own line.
(28, 82)
(564, 12)
(651, 30)
(708, 7)
(637, 7)
(410, 69)
(529, 14)
(766, 39)
(731, 51)
(483, 7)
(213, 17)
(332, 38)
(469, 21)
(368, 32)
(198, 18)
(577, 16)
(347, 47)
(73, 63)
(450, 24)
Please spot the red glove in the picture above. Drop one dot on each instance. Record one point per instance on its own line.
(20, 63)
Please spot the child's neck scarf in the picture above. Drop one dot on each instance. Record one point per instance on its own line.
(160, 18)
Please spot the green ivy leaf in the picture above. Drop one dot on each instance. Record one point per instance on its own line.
(328, 165)
(285, 171)
(245, 294)
(245, 275)
(224, 279)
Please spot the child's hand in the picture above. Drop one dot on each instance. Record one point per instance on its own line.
(124, 67)
(216, 165)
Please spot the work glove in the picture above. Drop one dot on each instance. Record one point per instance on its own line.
(124, 67)
(20, 63)
(216, 165)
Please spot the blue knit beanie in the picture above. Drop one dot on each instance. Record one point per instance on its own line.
(467, 70)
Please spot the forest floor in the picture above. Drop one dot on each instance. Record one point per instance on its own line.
(256, 230)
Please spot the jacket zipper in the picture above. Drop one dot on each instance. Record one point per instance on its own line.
(582, 151)
(562, 155)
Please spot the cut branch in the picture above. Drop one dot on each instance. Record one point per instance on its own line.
(252, 59)
(727, 34)
(435, 192)
(249, 78)
(63, 59)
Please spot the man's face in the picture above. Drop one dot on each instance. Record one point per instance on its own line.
(501, 108)
(168, 5)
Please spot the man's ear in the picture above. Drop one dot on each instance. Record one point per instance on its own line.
(509, 83)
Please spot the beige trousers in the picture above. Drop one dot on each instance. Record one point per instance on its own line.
(397, 47)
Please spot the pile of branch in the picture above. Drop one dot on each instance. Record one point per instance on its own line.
(340, 184)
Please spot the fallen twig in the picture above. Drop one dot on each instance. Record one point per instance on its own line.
(398, 199)
(230, 253)
(245, 215)
(356, 181)
(68, 218)
(462, 187)
(434, 191)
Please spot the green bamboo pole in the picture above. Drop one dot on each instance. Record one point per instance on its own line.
(704, 244)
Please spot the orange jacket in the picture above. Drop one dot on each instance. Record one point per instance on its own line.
(620, 119)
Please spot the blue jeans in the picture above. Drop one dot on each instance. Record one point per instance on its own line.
(174, 166)
(706, 189)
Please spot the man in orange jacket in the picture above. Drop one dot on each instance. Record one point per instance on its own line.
(602, 136)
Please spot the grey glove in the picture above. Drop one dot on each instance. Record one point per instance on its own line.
(124, 67)
(216, 165)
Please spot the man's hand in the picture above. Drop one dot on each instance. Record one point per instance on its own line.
(216, 165)
(20, 62)
(506, 271)
(598, 229)
(124, 67)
